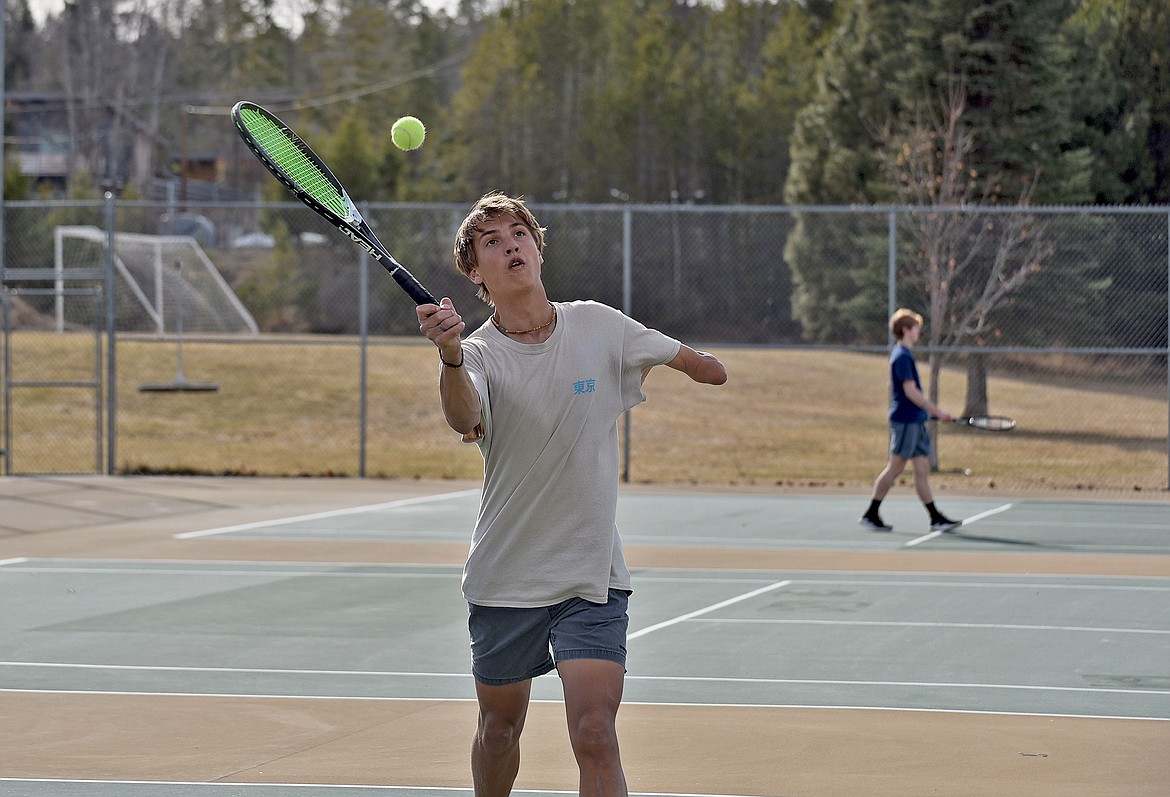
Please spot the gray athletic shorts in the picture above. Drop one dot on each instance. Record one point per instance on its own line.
(510, 645)
(909, 440)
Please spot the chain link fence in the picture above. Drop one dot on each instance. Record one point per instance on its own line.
(1057, 316)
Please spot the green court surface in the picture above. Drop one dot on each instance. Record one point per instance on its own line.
(981, 643)
(761, 521)
(910, 641)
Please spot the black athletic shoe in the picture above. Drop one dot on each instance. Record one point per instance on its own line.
(944, 524)
(873, 523)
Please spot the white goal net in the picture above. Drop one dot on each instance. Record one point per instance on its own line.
(166, 280)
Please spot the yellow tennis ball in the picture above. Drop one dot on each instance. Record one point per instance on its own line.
(408, 133)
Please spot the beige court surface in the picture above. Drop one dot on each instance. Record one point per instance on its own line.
(78, 739)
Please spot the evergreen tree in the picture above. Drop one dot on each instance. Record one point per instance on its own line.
(764, 102)
(890, 62)
(351, 156)
(1122, 79)
(1122, 76)
(1013, 66)
(837, 261)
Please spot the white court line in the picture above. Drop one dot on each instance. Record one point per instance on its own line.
(716, 679)
(966, 522)
(250, 695)
(275, 574)
(355, 510)
(249, 785)
(906, 624)
(881, 577)
(560, 701)
(684, 617)
(246, 670)
(909, 684)
(17, 560)
(1000, 583)
(212, 786)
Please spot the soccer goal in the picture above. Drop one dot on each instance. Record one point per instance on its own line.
(164, 275)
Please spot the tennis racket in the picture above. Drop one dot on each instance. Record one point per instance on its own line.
(990, 423)
(291, 161)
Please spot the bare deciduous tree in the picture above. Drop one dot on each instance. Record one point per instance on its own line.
(114, 64)
(968, 258)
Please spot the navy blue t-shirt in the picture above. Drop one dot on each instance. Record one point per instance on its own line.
(902, 367)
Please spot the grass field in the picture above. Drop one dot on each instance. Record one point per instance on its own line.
(795, 418)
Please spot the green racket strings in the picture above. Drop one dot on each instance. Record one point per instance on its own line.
(286, 153)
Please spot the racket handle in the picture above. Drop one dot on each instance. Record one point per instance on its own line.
(414, 289)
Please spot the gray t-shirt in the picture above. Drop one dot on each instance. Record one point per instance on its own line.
(546, 530)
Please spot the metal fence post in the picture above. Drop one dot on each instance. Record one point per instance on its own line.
(628, 309)
(111, 347)
(364, 345)
(6, 357)
(3, 140)
(892, 265)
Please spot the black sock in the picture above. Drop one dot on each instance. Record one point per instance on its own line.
(935, 515)
(872, 512)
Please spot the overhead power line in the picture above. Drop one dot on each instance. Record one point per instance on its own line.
(344, 96)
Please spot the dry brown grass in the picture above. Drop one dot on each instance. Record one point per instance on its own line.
(799, 418)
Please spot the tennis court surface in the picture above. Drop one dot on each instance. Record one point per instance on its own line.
(200, 637)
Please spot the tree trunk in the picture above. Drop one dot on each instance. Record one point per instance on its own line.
(976, 386)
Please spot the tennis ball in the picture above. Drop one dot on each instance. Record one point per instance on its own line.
(408, 133)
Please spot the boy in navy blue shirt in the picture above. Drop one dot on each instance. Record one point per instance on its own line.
(909, 438)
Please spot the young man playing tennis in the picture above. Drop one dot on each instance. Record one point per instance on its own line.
(539, 388)
(909, 437)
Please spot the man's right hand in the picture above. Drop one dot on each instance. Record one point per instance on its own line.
(442, 326)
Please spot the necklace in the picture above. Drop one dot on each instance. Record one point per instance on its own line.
(499, 326)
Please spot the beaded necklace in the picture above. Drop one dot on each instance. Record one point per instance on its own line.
(499, 326)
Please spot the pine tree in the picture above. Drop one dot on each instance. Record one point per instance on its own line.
(892, 61)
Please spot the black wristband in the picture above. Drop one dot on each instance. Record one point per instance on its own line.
(452, 365)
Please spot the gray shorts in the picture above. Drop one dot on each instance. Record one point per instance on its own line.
(510, 645)
(909, 440)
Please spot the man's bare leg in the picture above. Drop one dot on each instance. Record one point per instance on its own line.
(921, 468)
(495, 752)
(593, 693)
(888, 476)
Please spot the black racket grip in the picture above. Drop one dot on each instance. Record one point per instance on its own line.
(414, 289)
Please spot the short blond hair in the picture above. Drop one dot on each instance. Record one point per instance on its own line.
(490, 207)
(903, 319)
